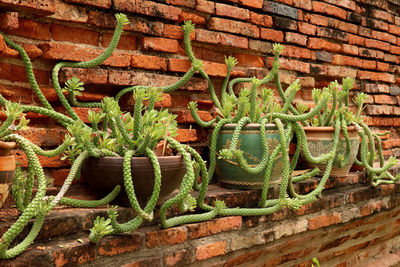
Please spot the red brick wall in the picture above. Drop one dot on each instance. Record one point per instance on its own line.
(324, 41)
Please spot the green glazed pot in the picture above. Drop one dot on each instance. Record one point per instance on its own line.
(320, 141)
(229, 174)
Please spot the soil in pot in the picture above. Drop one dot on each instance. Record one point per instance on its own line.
(320, 141)
(103, 174)
(229, 174)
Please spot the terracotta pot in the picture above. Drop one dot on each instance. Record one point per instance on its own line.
(229, 174)
(103, 174)
(320, 140)
(7, 169)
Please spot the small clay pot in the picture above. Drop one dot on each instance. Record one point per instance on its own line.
(103, 174)
(320, 141)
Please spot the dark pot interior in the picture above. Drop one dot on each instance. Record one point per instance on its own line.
(103, 174)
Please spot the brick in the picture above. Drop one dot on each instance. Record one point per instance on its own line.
(384, 36)
(390, 58)
(243, 258)
(394, 29)
(74, 35)
(205, 6)
(297, 52)
(69, 13)
(149, 62)
(148, 262)
(378, 109)
(325, 8)
(285, 23)
(195, 18)
(178, 258)
(62, 51)
(246, 60)
(232, 26)
(260, 19)
(319, 20)
(186, 135)
(160, 44)
(210, 250)
(381, 66)
(115, 245)
(332, 34)
(252, 3)
(73, 253)
(385, 99)
(349, 49)
(324, 56)
(390, 143)
(394, 90)
(307, 28)
(296, 38)
(87, 76)
(369, 64)
(260, 46)
(148, 8)
(371, 53)
(290, 64)
(231, 11)
(215, 226)
(324, 220)
(395, 49)
(383, 15)
(104, 4)
(54, 162)
(377, 44)
(347, 27)
(171, 236)
(316, 43)
(126, 42)
(375, 88)
(186, 3)
(9, 20)
(345, 60)
(221, 38)
(16, 73)
(382, 121)
(250, 240)
(280, 9)
(184, 116)
(31, 29)
(39, 7)
(272, 35)
(337, 71)
(376, 76)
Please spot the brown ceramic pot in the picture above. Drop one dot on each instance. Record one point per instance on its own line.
(320, 141)
(7, 169)
(103, 174)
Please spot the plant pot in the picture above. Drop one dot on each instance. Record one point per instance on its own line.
(320, 141)
(7, 169)
(103, 174)
(229, 174)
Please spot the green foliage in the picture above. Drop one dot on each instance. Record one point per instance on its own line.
(101, 227)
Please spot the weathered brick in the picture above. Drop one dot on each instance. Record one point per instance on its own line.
(205, 6)
(87, 76)
(284, 23)
(221, 38)
(178, 258)
(377, 44)
(169, 236)
(186, 135)
(9, 20)
(384, 36)
(215, 226)
(149, 62)
(260, 46)
(31, 29)
(296, 38)
(371, 53)
(375, 88)
(70, 13)
(260, 19)
(383, 15)
(385, 99)
(369, 64)
(390, 143)
(297, 52)
(307, 28)
(38, 7)
(186, 3)
(195, 18)
(243, 258)
(325, 8)
(160, 44)
(17, 74)
(63, 51)
(73, 253)
(332, 34)
(350, 49)
(290, 64)
(126, 42)
(319, 20)
(115, 245)
(273, 35)
(232, 26)
(280, 9)
(105, 4)
(324, 220)
(252, 3)
(324, 56)
(210, 250)
(316, 43)
(381, 66)
(231, 11)
(148, 8)
(345, 60)
(247, 60)
(376, 76)
(184, 116)
(395, 49)
(337, 71)
(74, 35)
(394, 90)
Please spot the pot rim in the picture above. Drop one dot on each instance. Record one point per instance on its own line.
(141, 158)
(324, 128)
(251, 126)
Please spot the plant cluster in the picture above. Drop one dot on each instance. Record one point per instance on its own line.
(115, 133)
